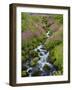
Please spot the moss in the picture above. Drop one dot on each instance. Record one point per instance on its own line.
(33, 54)
(24, 73)
(24, 56)
(56, 55)
(51, 44)
(59, 18)
(34, 61)
(36, 73)
(24, 21)
(46, 68)
(57, 73)
(28, 21)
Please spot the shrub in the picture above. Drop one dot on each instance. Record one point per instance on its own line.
(57, 56)
(59, 18)
(33, 54)
(51, 44)
(24, 22)
(25, 57)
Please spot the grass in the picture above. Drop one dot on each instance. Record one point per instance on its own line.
(59, 18)
(28, 21)
(54, 40)
(56, 55)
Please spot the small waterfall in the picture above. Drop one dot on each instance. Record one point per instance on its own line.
(48, 34)
(29, 71)
(43, 55)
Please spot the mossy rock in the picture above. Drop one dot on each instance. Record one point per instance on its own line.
(46, 68)
(24, 73)
(36, 73)
(34, 61)
(57, 73)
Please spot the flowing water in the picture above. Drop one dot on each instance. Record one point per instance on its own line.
(43, 55)
(44, 60)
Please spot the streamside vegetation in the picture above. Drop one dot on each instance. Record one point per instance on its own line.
(34, 33)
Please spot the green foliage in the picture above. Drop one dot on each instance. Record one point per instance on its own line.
(27, 21)
(57, 73)
(34, 61)
(28, 47)
(59, 18)
(56, 55)
(36, 18)
(24, 56)
(33, 54)
(54, 43)
(54, 40)
(45, 23)
(24, 22)
(51, 44)
(46, 68)
(24, 73)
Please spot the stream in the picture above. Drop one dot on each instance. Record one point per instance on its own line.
(44, 60)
